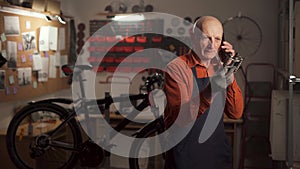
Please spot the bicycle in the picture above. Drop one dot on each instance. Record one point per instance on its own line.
(46, 132)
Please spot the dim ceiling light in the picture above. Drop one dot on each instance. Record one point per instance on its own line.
(48, 18)
(60, 19)
(31, 14)
(21, 12)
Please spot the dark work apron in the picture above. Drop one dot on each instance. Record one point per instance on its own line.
(214, 153)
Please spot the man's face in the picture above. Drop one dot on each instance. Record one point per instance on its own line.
(209, 41)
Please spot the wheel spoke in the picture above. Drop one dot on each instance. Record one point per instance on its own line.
(29, 144)
(244, 33)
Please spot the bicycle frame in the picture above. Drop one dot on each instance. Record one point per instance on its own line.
(106, 102)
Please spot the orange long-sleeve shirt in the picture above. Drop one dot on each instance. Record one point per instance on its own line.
(178, 87)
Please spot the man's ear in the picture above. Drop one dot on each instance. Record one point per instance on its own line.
(194, 41)
(195, 32)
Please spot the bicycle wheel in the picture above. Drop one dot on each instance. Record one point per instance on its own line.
(31, 141)
(150, 162)
(244, 33)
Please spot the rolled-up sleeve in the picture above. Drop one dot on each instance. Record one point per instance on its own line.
(234, 101)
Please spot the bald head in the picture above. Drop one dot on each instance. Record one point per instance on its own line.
(205, 21)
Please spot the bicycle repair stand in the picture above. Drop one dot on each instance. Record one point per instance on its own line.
(107, 134)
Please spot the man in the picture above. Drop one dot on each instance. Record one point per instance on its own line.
(192, 84)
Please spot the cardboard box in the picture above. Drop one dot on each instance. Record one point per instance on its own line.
(53, 7)
(39, 5)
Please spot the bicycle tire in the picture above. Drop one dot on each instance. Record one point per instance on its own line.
(244, 33)
(23, 148)
(152, 161)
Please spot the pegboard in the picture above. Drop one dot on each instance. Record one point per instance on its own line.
(15, 91)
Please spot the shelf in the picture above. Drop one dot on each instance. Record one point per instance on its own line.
(18, 10)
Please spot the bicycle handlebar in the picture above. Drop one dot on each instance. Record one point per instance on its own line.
(151, 80)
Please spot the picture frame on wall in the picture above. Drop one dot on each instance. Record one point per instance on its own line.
(24, 76)
(29, 40)
(11, 25)
(11, 54)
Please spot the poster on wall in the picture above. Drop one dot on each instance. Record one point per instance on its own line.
(43, 73)
(52, 66)
(36, 62)
(62, 38)
(11, 25)
(11, 54)
(53, 33)
(24, 76)
(2, 79)
(29, 40)
(48, 38)
(44, 38)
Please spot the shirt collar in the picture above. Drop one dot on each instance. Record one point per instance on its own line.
(192, 59)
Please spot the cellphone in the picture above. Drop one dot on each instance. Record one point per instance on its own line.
(224, 56)
(236, 60)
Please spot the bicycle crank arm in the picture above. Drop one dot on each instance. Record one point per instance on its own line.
(63, 145)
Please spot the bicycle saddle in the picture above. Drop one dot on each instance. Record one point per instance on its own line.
(69, 69)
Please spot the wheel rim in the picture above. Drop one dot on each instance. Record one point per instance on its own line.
(244, 33)
(146, 163)
(30, 149)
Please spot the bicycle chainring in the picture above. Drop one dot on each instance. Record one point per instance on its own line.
(91, 155)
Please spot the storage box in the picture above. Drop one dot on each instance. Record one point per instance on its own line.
(53, 7)
(39, 5)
